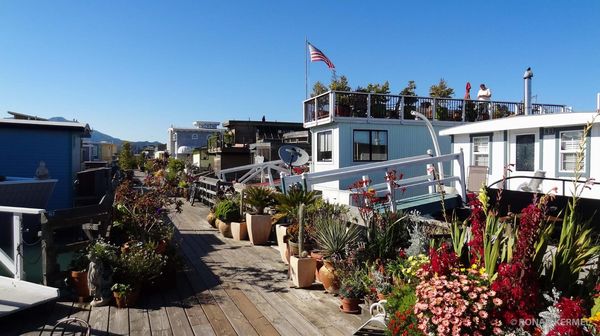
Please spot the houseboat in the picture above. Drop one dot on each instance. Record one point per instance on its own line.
(541, 150)
(350, 129)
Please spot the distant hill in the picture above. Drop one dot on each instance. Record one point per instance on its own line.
(98, 136)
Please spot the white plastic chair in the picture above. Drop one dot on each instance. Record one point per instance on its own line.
(378, 314)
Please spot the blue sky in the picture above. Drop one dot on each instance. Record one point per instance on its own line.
(133, 68)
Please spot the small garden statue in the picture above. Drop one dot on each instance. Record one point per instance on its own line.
(102, 257)
(41, 173)
(100, 281)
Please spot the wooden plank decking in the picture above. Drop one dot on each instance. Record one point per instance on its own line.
(226, 288)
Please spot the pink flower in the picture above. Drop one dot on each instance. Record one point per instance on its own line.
(483, 314)
(472, 296)
(497, 301)
(498, 331)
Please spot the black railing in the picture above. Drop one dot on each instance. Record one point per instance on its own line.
(396, 107)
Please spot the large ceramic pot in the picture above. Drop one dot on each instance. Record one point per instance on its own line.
(239, 230)
(259, 228)
(329, 278)
(224, 228)
(80, 281)
(350, 305)
(281, 231)
(212, 218)
(318, 256)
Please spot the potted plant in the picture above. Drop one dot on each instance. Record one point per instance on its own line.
(287, 206)
(123, 294)
(226, 212)
(79, 274)
(259, 224)
(211, 218)
(382, 283)
(139, 267)
(352, 290)
(302, 267)
(332, 236)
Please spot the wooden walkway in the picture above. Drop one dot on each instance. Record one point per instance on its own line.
(226, 288)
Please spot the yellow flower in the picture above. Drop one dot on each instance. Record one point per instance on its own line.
(474, 266)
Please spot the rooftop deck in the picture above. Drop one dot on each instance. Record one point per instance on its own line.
(226, 288)
(371, 107)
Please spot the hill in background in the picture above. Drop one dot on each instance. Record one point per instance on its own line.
(98, 136)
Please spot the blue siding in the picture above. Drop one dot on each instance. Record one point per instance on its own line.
(405, 140)
(22, 149)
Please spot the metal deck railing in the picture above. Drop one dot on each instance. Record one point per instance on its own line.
(343, 105)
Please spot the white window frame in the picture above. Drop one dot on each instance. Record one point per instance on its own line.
(573, 149)
(474, 153)
(325, 134)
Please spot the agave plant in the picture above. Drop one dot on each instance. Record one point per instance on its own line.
(333, 236)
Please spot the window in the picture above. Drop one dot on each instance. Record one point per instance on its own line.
(370, 145)
(481, 150)
(194, 136)
(324, 146)
(569, 146)
(525, 152)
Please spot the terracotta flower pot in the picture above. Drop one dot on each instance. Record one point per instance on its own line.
(224, 228)
(259, 228)
(303, 271)
(318, 256)
(329, 277)
(80, 280)
(239, 230)
(127, 300)
(350, 305)
(281, 231)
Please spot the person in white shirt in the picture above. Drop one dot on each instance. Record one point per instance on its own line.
(484, 94)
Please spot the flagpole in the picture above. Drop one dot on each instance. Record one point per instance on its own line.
(306, 67)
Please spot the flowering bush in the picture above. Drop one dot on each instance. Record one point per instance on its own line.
(404, 323)
(458, 303)
(442, 260)
(571, 313)
(405, 269)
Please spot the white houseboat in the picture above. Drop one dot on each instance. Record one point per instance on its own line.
(349, 129)
(542, 150)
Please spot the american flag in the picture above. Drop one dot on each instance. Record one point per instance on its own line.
(317, 55)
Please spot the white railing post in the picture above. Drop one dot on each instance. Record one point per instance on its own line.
(401, 109)
(390, 188)
(369, 106)
(433, 110)
(18, 245)
(464, 110)
(461, 168)
(332, 105)
(429, 170)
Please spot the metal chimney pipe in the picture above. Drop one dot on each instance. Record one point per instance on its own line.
(527, 99)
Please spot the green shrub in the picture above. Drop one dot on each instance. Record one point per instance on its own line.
(227, 210)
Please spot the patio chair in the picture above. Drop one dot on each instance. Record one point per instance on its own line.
(378, 315)
(477, 178)
(535, 183)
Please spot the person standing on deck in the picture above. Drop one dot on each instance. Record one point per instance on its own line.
(484, 94)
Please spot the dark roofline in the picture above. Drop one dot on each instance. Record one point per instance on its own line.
(261, 123)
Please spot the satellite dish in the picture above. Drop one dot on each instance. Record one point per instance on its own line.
(185, 150)
(293, 155)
